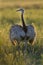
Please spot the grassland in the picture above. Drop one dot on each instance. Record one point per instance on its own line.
(8, 17)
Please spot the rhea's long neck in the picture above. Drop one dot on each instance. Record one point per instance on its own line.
(23, 23)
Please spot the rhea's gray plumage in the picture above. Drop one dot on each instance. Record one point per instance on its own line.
(16, 32)
(19, 33)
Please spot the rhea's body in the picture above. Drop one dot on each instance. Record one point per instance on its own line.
(21, 33)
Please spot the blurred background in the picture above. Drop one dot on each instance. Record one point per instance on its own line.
(8, 16)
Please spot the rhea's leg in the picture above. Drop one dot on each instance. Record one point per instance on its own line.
(25, 50)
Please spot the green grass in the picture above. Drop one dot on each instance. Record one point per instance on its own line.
(9, 53)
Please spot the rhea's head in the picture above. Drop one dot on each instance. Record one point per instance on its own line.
(21, 10)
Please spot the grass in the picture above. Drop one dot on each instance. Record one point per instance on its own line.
(27, 4)
(9, 53)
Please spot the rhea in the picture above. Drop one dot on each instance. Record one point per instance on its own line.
(20, 33)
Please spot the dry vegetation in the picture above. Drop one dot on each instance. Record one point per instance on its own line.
(9, 16)
(26, 4)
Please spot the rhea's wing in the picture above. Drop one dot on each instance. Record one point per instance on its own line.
(30, 32)
(16, 32)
